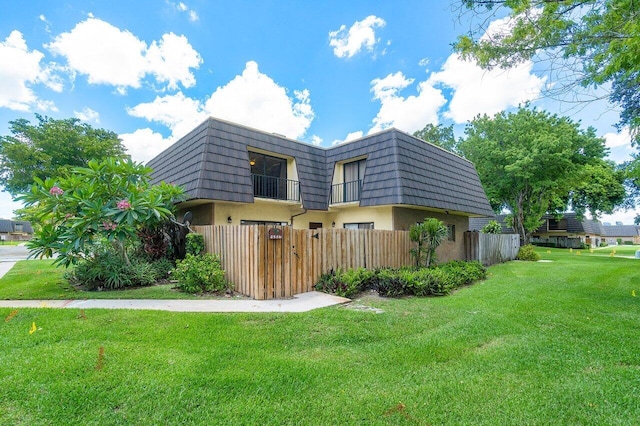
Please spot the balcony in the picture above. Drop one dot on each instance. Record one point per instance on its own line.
(275, 188)
(346, 192)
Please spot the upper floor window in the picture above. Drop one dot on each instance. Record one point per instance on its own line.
(349, 189)
(269, 177)
(266, 165)
(557, 225)
(354, 171)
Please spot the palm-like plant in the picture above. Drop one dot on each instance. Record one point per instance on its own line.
(428, 235)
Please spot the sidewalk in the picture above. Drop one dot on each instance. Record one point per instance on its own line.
(302, 302)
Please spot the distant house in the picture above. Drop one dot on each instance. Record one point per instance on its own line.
(15, 230)
(624, 233)
(569, 231)
(566, 232)
(390, 180)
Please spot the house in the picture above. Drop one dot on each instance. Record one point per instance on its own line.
(616, 234)
(390, 180)
(477, 223)
(568, 231)
(15, 230)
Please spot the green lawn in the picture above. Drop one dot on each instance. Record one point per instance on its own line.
(536, 343)
(622, 250)
(39, 279)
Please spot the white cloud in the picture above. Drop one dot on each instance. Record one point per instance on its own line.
(477, 91)
(361, 35)
(87, 115)
(144, 144)
(181, 7)
(350, 137)
(108, 55)
(20, 69)
(619, 145)
(178, 112)
(409, 113)
(316, 140)
(252, 99)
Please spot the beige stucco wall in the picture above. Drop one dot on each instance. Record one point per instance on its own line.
(202, 214)
(404, 217)
(382, 217)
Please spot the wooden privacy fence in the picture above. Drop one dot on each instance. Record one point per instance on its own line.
(490, 249)
(274, 262)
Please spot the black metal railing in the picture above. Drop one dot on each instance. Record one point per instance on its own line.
(346, 192)
(275, 188)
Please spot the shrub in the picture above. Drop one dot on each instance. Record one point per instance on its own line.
(196, 274)
(435, 281)
(628, 243)
(603, 244)
(195, 244)
(619, 241)
(528, 253)
(492, 227)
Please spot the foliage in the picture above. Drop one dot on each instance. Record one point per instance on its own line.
(528, 253)
(345, 283)
(531, 162)
(435, 281)
(111, 200)
(428, 235)
(493, 227)
(200, 273)
(104, 270)
(439, 135)
(597, 40)
(49, 149)
(195, 244)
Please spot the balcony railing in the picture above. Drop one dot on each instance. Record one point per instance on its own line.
(346, 192)
(275, 188)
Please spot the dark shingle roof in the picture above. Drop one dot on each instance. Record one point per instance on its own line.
(8, 226)
(621, 230)
(211, 162)
(575, 225)
(477, 223)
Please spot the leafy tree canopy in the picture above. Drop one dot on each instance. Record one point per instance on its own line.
(597, 40)
(438, 135)
(107, 201)
(531, 162)
(49, 148)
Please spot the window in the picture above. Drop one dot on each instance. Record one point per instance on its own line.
(361, 225)
(315, 225)
(349, 190)
(557, 225)
(451, 232)
(354, 171)
(269, 176)
(18, 227)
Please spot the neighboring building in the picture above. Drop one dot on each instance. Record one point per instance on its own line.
(569, 231)
(624, 233)
(15, 230)
(477, 223)
(390, 180)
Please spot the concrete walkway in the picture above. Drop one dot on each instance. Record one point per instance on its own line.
(302, 302)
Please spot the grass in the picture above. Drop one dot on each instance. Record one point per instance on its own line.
(622, 250)
(536, 343)
(39, 279)
(11, 243)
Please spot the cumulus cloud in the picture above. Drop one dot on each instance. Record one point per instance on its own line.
(477, 91)
(350, 137)
(251, 98)
(181, 7)
(409, 113)
(178, 112)
(316, 140)
(20, 69)
(109, 55)
(348, 42)
(619, 144)
(144, 144)
(87, 115)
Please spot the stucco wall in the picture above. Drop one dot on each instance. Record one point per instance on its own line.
(404, 217)
(382, 217)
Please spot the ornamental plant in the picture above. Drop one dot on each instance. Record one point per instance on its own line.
(427, 235)
(106, 202)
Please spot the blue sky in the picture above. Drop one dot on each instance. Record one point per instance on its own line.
(320, 72)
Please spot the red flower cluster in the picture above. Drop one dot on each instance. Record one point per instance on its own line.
(124, 205)
(56, 191)
(109, 226)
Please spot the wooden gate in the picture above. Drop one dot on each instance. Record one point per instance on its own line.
(274, 262)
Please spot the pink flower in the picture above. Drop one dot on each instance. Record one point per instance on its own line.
(109, 226)
(56, 191)
(123, 205)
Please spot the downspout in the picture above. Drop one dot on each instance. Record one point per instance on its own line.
(296, 215)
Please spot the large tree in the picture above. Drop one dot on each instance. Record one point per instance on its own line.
(438, 135)
(531, 163)
(589, 42)
(49, 148)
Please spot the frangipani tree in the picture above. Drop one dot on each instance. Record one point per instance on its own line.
(110, 200)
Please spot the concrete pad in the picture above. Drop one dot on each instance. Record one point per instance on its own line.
(302, 302)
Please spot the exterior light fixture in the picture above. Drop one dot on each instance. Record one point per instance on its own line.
(252, 162)
(229, 219)
(333, 224)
